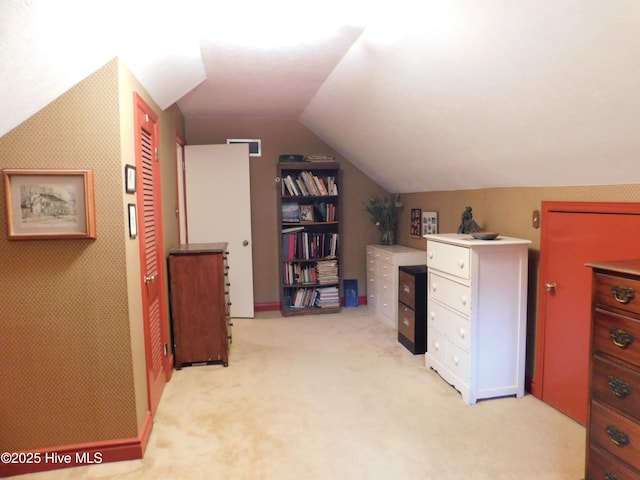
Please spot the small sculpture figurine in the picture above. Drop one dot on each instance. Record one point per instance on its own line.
(468, 224)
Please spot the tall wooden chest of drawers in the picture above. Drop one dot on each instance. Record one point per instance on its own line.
(412, 307)
(198, 279)
(613, 423)
(477, 313)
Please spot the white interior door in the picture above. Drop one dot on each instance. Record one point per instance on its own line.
(218, 205)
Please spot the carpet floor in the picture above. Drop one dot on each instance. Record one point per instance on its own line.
(335, 396)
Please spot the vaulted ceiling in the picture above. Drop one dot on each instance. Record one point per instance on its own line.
(421, 96)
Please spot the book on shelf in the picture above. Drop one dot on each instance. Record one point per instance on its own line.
(309, 245)
(292, 229)
(290, 212)
(319, 157)
(305, 184)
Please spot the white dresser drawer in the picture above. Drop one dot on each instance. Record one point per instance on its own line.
(457, 361)
(453, 324)
(453, 294)
(371, 265)
(447, 258)
(436, 345)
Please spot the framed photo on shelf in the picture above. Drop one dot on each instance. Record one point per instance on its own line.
(416, 222)
(49, 204)
(290, 212)
(429, 223)
(306, 213)
(130, 178)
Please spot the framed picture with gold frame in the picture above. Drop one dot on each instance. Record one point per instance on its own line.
(49, 204)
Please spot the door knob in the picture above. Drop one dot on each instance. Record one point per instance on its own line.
(245, 243)
(550, 287)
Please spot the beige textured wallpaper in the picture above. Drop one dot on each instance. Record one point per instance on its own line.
(66, 354)
(72, 349)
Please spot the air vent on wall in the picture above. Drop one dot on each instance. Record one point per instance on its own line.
(255, 146)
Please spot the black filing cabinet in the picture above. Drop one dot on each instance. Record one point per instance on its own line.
(412, 307)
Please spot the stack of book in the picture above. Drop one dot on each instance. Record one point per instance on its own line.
(328, 297)
(327, 271)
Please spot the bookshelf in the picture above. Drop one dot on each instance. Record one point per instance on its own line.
(309, 245)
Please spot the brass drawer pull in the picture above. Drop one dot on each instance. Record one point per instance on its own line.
(623, 294)
(617, 436)
(621, 338)
(619, 387)
(610, 476)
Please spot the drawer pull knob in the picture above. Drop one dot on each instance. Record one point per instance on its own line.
(621, 338)
(406, 321)
(610, 476)
(619, 387)
(617, 436)
(623, 294)
(463, 333)
(461, 263)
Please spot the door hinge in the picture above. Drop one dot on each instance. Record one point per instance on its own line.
(157, 155)
(166, 350)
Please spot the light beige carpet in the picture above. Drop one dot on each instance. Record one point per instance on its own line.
(337, 397)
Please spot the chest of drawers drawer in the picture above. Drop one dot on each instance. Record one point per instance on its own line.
(603, 466)
(616, 335)
(616, 385)
(615, 433)
(451, 293)
(617, 292)
(451, 259)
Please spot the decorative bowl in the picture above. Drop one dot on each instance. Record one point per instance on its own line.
(485, 235)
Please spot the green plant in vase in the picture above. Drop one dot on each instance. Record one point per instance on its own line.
(384, 214)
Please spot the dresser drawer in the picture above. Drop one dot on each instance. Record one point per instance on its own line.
(458, 362)
(453, 294)
(437, 345)
(406, 322)
(618, 292)
(616, 385)
(451, 259)
(615, 433)
(602, 466)
(453, 324)
(407, 289)
(616, 335)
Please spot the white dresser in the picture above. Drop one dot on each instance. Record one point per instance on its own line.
(477, 313)
(382, 278)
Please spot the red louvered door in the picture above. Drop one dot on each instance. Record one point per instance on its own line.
(151, 253)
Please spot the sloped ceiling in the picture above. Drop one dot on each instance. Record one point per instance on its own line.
(456, 94)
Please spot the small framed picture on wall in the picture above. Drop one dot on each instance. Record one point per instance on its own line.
(429, 223)
(416, 222)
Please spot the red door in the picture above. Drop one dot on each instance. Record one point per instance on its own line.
(151, 253)
(572, 235)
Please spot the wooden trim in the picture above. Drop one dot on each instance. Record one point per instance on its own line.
(266, 306)
(81, 454)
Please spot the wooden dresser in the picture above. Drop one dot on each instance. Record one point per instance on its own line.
(198, 279)
(613, 422)
(477, 313)
(412, 307)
